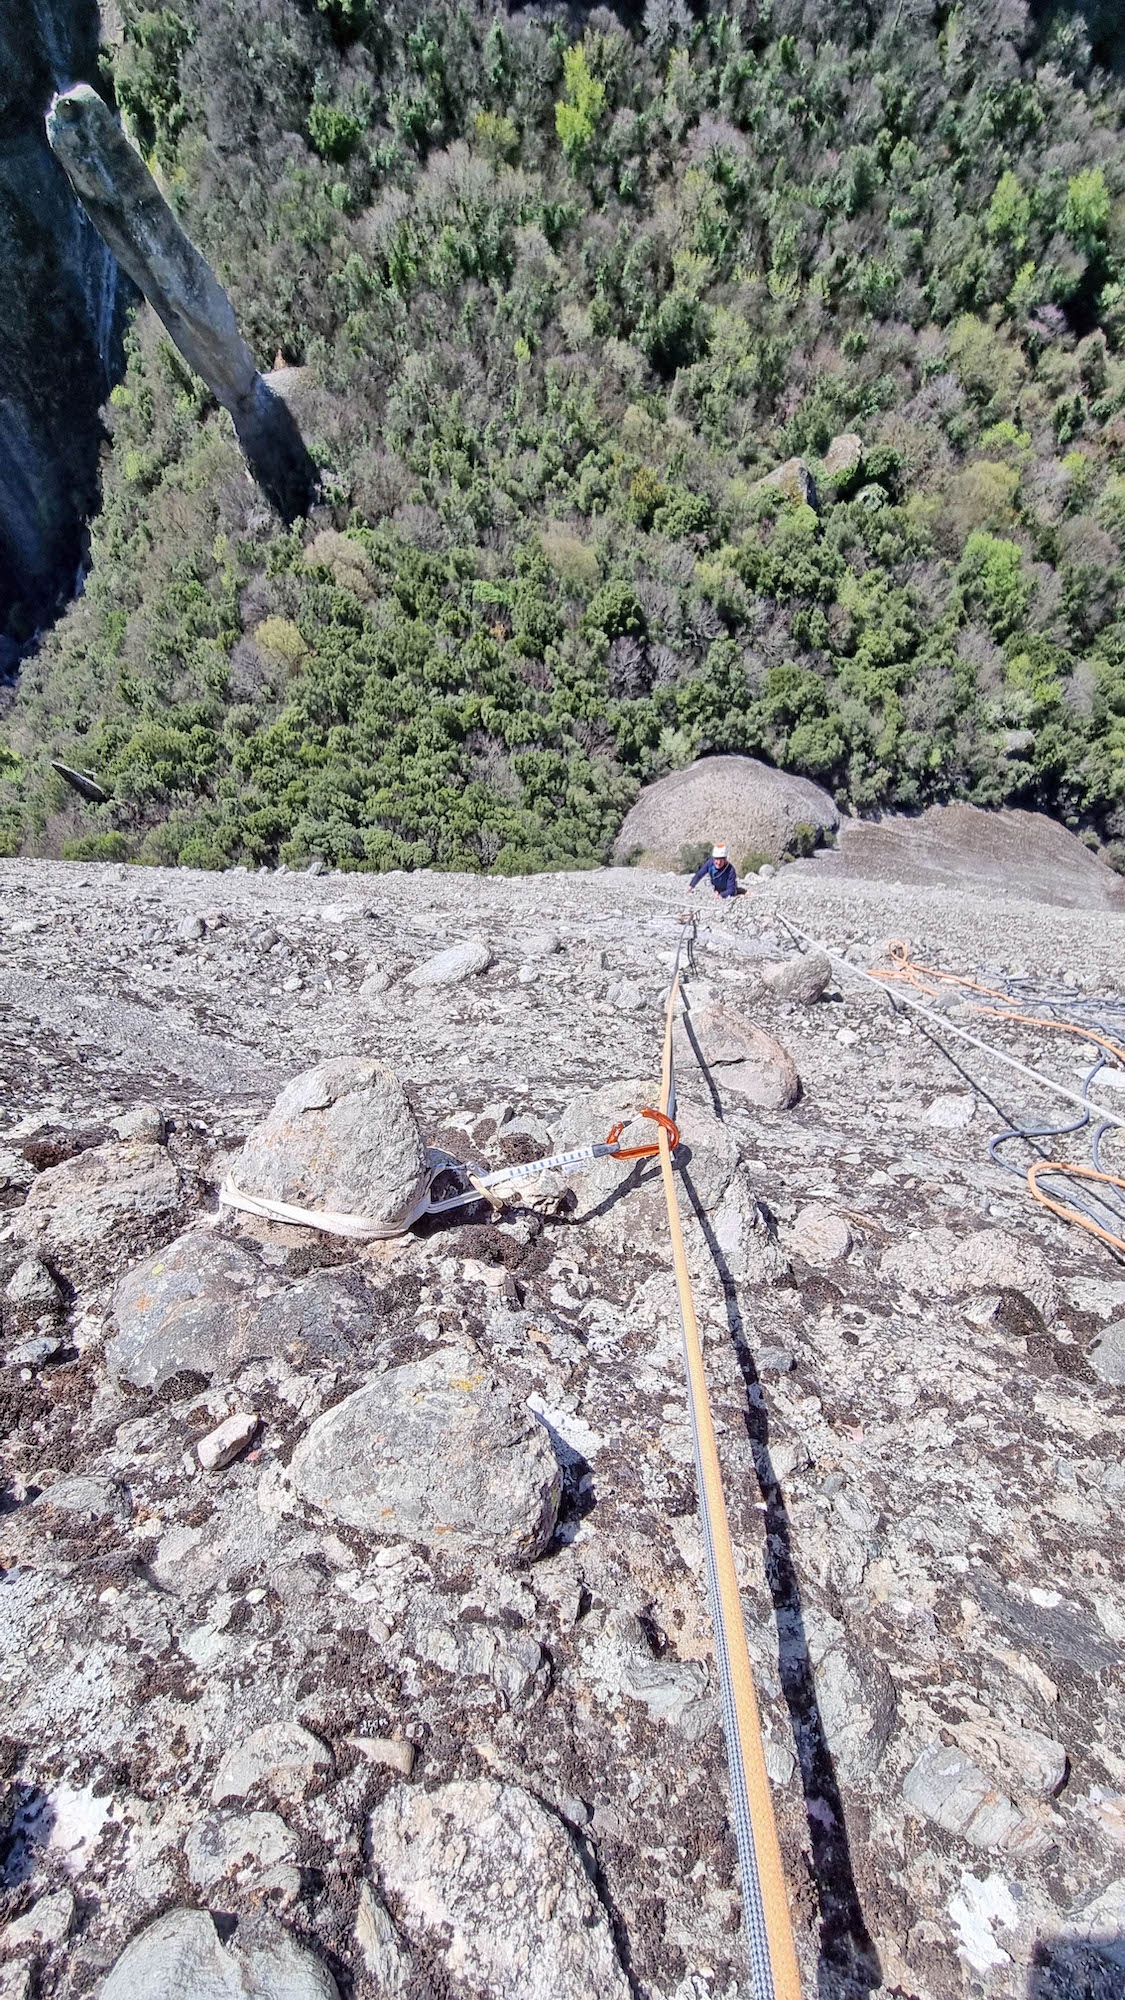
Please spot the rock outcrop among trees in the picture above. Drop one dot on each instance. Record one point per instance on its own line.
(763, 815)
(126, 207)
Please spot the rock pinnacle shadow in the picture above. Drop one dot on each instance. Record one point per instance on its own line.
(848, 1967)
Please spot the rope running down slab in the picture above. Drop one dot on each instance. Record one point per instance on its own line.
(906, 998)
(928, 979)
(905, 994)
(773, 1959)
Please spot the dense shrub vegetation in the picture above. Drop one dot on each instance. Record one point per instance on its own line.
(563, 301)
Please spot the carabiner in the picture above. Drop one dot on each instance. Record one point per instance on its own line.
(642, 1152)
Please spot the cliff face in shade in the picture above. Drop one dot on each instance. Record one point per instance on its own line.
(60, 321)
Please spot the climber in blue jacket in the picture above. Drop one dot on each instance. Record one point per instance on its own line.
(724, 881)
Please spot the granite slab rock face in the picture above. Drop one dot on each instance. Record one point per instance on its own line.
(438, 1452)
(951, 1475)
(623, 1198)
(207, 1304)
(443, 1855)
(181, 1955)
(341, 1137)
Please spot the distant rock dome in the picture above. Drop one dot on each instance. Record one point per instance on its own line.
(759, 812)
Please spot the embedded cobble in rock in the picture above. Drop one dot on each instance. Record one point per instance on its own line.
(951, 1111)
(32, 1293)
(437, 1451)
(441, 1855)
(819, 1236)
(190, 1306)
(86, 1214)
(247, 1845)
(181, 1954)
(207, 1304)
(950, 1789)
(48, 1921)
(282, 1756)
(1107, 1356)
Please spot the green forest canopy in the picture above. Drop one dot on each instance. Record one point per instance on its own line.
(564, 297)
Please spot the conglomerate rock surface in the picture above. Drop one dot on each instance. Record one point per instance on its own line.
(263, 1734)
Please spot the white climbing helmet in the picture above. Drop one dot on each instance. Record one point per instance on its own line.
(719, 852)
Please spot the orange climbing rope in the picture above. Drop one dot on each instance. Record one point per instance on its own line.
(769, 1933)
(1063, 1209)
(905, 971)
(929, 979)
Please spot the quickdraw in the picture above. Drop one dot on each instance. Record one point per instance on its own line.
(492, 1185)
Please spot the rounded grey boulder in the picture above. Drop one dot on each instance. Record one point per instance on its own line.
(801, 979)
(754, 808)
(438, 1452)
(180, 1957)
(341, 1137)
(450, 967)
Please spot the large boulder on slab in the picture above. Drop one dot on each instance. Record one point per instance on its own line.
(801, 979)
(90, 1213)
(437, 1452)
(445, 1857)
(755, 809)
(742, 1060)
(341, 1137)
(208, 1305)
(181, 1957)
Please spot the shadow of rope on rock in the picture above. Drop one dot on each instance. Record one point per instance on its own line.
(849, 1967)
